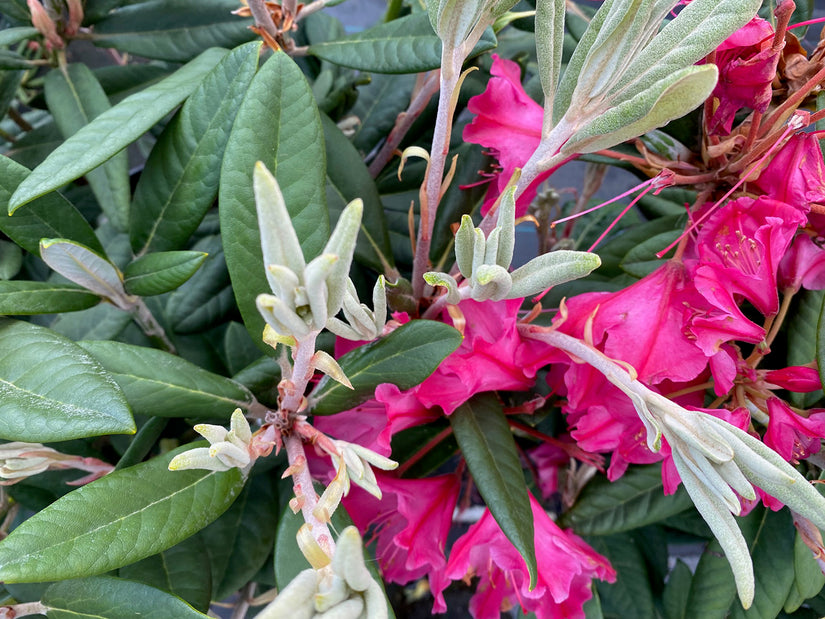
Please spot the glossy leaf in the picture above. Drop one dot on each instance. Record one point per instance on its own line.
(19, 298)
(174, 30)
(51, 216)
(103, 321)
(121, 518)
(802, 338)
(278, 124)
(808, 578)
(404, 45)
(405, 358)
(161, 272)
(180, 180)
(676, 591)
(634, 500)
(641, 260)
(157, 383)
(379, 104)
(631, 594)
(52, 390)
(113, 130)
(113, 598)
(75, 98)
(489, 449)
(11, 259)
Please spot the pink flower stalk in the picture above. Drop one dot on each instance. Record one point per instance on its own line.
(508, 122)
(747, 65)
(566, 566)
(791, 435)
(802, 266)
(412, 522)
(796, 173)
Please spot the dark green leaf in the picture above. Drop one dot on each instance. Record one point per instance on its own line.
(676, 592)
(113, 598)
(278, 124)
(405, 358)
(10, 36)
(634, 500)
(176, 30)
(404, 45)
(613, 252)
(630, 595)
(51, 216)
(641, 260)
(11, 259)
(102, 322)
(240, 540)
(9, 83)
(808, 578)
(121, 518)
(18, 298)
(180, 180)
(75, 98)
(487, 445)
(157, 383)
(182, 570)
(802, 338)
(32, 148)
(15, 9)
(113, 130)
(347, 179)
(11, 61)
(52, 390)
(161, 272)
(379, 104)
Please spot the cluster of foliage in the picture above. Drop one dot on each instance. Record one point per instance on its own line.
(193, 225)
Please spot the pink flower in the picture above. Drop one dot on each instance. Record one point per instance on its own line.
(747, 66)
(566, 566)
(803, 266)
(548, 459)
(507, 122)
(796, 174)
(412, 522)
(792, 436)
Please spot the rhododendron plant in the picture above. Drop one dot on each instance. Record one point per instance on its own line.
(310, 247)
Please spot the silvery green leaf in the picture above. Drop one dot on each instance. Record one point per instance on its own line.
(376, 602)
(692, 428)
(551, 269)
(672, 97)
(709, 476)
(342, 329)
(279, 242)
(281, 317)
(295, 601)
(379, 303)
(348, 560)
(81, 265)
(665, 145)
(455, 20)
(736, 480)
(342, 244)
(507, 225)
(491, 282)
(434, 278)
(464, 246)
(491, 250)
(357, 314)
(315, 276)
(479, 249)
(283, 282)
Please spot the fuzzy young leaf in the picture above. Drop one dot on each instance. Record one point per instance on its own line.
(549, 46)
(22, 298)
(551, 269)
(487, 445)
(116, 520)
(52, 390)
(84, 267)
(161, 272)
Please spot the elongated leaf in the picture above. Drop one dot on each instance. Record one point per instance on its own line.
(405, 358)
(75, 98)
(161, 272)
(641, 260)
(808, 578)
(121, 518)
(113, 598)
(634, 500)
(175, 30)
(19, 298)
(51, 216)
(83, 266)
(631, 594)
(159, 384)
(181, 570)
(113, 130)
(404, 45)
(11, 260)
(51, 390)
(240, 540)
(180, 180)
(488, 447)
(802, 338)
(676, 591)
(549, 46)
(278, 124)
(379, 104)
(10, 36)
(11, 61)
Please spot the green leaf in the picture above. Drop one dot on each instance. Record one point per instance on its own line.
(12, 60)
(675, 596)
(10, 36)
(641, 260)
(631, 594)
(75, 98)
(113, 130)
(808, 578)
(278, 123)
(240, 541)
(83, 266)
(487, 445)
(51, 390)
(11, 259)
(157, 383)
(379, 104)
(19, 298)
(405, 358)
(113, 598)
(549, 46)
(181, 570)
(404, 45)
(51, 216)
(116, 520)
(175, 30)
(161, 272)
(101, 322)
(180, 181)
(634, 500)
(348, 179)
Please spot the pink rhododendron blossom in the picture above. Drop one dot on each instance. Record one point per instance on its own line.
(747, 65)
(723, 368)
(799, 378)
(566, 566)
(796, 173)
(803, 266)
(507, 122)
(412, 521)
(791, 435)
(548, 459)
